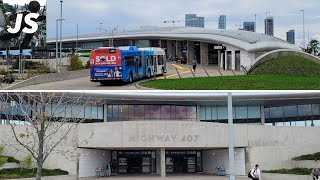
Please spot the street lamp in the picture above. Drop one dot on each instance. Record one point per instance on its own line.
(304, 31)
(57, 39)
(231, 137)
(112, 31)
(60, 36)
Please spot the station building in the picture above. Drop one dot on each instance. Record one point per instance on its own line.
(170, 132)
(226, 49)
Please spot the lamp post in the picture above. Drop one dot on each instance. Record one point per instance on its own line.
(57, 46)
(60, 36)
(231, 137)
(77, 37)
(304, 31)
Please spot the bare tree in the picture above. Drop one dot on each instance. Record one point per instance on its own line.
(48, 118)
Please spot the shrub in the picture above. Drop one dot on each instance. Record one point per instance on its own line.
(296, 171)
(75, 63)
(27, 162)
(17, 173)
(3, 160)
(314, 157)
(1, 149)
(87, 66)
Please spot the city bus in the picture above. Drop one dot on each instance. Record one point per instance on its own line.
(126, 64)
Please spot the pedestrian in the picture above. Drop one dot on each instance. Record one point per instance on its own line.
(315, 173)
(194, 64)
(109, 169)
(255, 173)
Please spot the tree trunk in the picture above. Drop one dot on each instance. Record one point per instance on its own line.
(39, 170)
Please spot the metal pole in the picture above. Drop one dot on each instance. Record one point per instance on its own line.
(255, 22)
(231, 137)
(57, 39)
(77, 37)
(60, 36)
(304, 31)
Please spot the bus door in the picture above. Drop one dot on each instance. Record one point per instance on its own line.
(155, 65)
(136, 66)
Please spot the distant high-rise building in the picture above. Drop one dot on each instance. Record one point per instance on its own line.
(223, 22)
(249, 26)
(291, 37)
(269, 26)
(192, 20)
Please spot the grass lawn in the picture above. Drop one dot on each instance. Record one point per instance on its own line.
(245, 82)
(17, 173)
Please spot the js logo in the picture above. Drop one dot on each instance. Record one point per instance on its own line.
(27, 21)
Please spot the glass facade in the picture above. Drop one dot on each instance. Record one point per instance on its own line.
(297, 115)
(151, 112)
(241, 114)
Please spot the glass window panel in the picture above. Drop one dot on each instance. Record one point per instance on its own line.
(309, 123)
(214, 115)
(94, 112)
(88, 112)
(287, 124)
(315, 109)
(191, 112)
(222, 113)
(48, 109)
(154, 112)
(304, 110)
(139, 112)
(58, 111)
(165, 112)
(123, 112)
(115, 111)
(254, 112)
(181, 112)
(276, 112)
(279, 124)
(24, 110)
(69, 108)
(241, 112)
(316, 123)
(131, 112)
(290, 111)
(267, 113)
(300, 123)
(147, 114)
(208, 113)
(100, 112)
(109, 109)
(77, 112)
(269, 124)
(173, 112)
(203, 113)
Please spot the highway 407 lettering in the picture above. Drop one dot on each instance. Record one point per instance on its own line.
(164, 138)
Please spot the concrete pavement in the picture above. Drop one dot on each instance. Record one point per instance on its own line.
(172, 68)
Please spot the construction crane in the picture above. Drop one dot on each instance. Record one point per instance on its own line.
(173, 21)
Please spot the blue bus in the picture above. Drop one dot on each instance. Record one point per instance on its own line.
(126, 64)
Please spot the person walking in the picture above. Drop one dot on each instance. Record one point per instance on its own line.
(194, 64)
(255, 173)
(109, 169)
(315, 173)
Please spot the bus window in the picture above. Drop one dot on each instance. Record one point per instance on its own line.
(129, 60)
(160, 60)
(138, 60)
(150, 60)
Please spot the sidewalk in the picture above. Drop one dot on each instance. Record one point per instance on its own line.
(201, 71)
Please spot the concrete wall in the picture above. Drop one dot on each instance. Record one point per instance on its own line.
(282, 52)
(268, 146)
(217, 158)
(191, 52)
(64, 155)
(204, 53)
(53, 77)
(91, 159)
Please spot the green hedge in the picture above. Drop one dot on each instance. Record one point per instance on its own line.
(11, 159)
(17, 173)
(296, 171)
(314, 157)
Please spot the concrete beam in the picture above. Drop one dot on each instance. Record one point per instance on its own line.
(263, 119)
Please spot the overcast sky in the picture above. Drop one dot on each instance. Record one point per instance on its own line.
(132, 14)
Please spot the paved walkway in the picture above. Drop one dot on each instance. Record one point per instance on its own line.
(170, 177)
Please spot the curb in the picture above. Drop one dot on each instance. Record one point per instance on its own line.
(138, 86)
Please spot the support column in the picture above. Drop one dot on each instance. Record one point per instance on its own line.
(204, 53)
(163, 162)
(233, 55)
(219, 59)
(178, 48)
(171, 48)
(190, 52)
(105, 112)
(263, 119)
